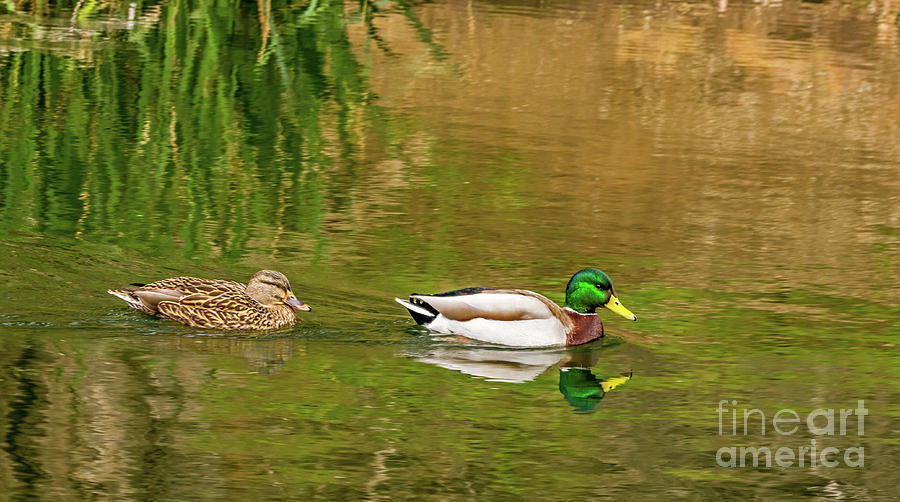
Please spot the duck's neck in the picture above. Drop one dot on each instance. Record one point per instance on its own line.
(284, 314)
(282, 309)
(578, 306)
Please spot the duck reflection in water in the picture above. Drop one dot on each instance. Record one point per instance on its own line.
(583, 390)
(578, 385)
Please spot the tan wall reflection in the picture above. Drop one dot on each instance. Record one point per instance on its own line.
(765, 133)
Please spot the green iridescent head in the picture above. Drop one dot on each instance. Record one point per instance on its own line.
(591, 288)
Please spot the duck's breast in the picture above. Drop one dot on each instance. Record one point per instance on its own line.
(585, 327)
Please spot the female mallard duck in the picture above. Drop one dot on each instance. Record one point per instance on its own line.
(519, 317)
(265, 302)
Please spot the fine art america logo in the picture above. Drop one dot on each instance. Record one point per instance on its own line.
(786, 422)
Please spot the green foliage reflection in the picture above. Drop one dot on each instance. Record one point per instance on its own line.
(210, 127)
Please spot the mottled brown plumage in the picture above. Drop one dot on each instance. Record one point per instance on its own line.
(265, 302)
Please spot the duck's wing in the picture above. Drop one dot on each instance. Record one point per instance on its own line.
(145, 300)
(147, 297)
(492, 304)
(217, 309)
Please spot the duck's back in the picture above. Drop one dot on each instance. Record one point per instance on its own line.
(495, 304)
(194, 284)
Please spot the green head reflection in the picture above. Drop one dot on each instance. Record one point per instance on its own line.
(583, 390)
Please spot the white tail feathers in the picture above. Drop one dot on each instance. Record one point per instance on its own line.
(413, 307)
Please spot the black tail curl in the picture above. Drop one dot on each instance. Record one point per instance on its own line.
(419, 317)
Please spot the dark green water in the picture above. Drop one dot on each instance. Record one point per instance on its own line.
(733, 167)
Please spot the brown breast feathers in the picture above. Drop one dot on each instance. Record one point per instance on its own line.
(587, 327)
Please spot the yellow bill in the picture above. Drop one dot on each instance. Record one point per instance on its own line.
(616, 306)
(611, 383)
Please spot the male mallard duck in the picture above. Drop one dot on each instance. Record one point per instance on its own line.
(519, 317)
(265, 302)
